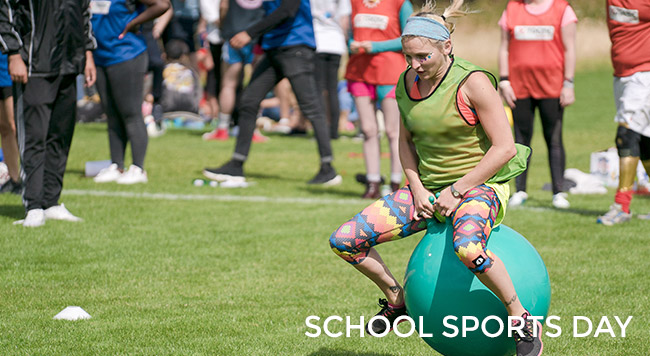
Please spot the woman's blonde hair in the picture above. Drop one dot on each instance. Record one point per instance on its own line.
(454, 10)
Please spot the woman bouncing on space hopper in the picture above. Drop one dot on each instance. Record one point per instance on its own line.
(455, 140)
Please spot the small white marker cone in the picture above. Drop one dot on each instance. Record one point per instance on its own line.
(72, 313)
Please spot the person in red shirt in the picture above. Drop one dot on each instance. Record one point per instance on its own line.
(629, 31)
(373, 69)
(537, 65)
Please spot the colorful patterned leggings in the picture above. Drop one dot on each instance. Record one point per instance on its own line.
(391, 218)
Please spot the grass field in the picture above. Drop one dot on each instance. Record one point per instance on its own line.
(167, 268)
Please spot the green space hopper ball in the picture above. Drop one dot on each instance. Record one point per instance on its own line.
(438, 285)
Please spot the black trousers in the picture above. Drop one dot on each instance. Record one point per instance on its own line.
(327, 79)
(156, 65)
(45, 110)
(297, 64)
(524, 119)
(213, 79)
(120, 87)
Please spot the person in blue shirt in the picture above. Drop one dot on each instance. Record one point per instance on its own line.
(8, 131)
(121, 60)
(287, 37)
(236, 16)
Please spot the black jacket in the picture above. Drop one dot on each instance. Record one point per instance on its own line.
(50, 35)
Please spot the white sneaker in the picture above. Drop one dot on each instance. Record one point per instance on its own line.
(59, 212)
(518, 199)
(34, 218)
(615, 215)
(134, 175)
(560, 202)
(153, 130)
(108, 174)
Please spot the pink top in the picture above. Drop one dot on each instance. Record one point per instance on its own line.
(465, 111)
(538, 9)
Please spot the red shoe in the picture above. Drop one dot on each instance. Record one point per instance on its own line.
(258, 137)
(216, 135)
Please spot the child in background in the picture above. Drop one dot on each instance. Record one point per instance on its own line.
(373, 69)
(181, 91)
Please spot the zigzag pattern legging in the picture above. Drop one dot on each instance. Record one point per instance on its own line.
(391, 218)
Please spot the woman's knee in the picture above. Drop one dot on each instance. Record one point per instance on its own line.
(474, 256)
(369, 129)
(392, 135)
(248, 106)
(334, 244)
(344, 243)
(338, 242)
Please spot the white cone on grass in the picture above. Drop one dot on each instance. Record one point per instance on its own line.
(72, 313)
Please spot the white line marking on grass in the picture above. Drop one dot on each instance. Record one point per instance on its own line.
(256, 199)
(194, 197)
(534, 208)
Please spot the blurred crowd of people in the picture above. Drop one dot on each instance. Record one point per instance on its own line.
(229, 62)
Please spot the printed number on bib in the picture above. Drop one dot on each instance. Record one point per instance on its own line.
(378, 22)
(100, 7)
(534, 33)
(624, 15)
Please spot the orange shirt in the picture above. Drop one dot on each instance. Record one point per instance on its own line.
(375, 20)
(536, 50)
(629, 30)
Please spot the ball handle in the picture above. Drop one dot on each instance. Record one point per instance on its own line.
(438, 219)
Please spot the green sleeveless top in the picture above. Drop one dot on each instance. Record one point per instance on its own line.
(447, 145)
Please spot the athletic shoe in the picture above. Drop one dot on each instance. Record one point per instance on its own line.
(216, 135)
(326, 176)
(530, 344)
(363, 179)
(283, 129)
(34, 218)
(615, 215)
(59, 212)
(134, 175)
(390, 312)
(108, 174)
(373, 191)
(11, 187)
(154, 128)
(517, 199)
(560, 201)
(258, 137)
(231, 171)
